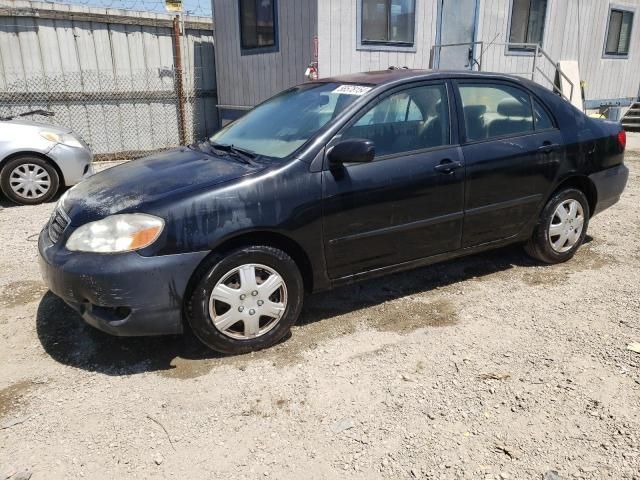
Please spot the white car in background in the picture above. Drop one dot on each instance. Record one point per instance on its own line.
(37, 159)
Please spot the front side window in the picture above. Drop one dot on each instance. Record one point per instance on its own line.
(619, 32)
(279, 126)
(388, 21)
(495, 111)
(413, 119)
(257, 24)
(527, 22)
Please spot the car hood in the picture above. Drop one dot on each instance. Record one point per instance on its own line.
(133, 185)
(37, 125)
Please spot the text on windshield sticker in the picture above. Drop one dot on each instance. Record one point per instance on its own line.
(351, 90)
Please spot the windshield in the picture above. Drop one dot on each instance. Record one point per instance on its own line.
(281, 125)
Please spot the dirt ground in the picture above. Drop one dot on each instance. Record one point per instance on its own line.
(486, 367)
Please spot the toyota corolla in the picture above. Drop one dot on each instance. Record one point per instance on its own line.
(328, 183)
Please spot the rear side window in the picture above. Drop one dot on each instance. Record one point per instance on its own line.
(495, 111)
(413, 119)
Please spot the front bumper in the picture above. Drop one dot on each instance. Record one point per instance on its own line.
(74, 163)
(121, 294)
(610, 184)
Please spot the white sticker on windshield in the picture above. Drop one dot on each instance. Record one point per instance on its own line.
(351, 90)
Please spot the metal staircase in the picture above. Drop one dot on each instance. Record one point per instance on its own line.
(631, 120)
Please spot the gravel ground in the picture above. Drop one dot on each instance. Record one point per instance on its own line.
(486, 367)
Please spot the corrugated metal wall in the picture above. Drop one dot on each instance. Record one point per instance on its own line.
(108, 74)
(245, 80)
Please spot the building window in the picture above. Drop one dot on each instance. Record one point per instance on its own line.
(390, 22)
(258, 25)
(527, 22)
(618, 32)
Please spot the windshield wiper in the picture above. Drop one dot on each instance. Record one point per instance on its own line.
(245, 156)
(44, 113)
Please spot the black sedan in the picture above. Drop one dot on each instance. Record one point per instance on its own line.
(325, 184)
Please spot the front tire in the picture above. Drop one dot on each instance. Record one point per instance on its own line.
(562, 227)
(246, 300)
(28, 180)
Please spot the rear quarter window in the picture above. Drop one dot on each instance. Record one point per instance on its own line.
(541, 118)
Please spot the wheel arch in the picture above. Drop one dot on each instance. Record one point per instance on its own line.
(582, 183)
(270, 239)
(42, 156)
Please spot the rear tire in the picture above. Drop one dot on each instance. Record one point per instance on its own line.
(562, 227)
(245, 300)
(28, 180)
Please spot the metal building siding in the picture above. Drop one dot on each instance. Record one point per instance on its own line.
(338, 43)
(606, 78)
(493, 29)
(574, 30)
(245, 80)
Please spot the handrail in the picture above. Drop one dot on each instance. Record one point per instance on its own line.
(555, 87)
(439, 47)
(559, 70)
(456, 44)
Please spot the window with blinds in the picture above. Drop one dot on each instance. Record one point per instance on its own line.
(527, 23)
(619, 32)
(388, 21)
(258, 24)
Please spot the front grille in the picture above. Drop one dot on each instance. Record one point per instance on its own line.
(57, 223)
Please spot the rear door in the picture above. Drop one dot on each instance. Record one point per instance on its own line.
(512, 152)
(404, 205)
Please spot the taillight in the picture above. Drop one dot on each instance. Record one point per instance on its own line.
(622, 139)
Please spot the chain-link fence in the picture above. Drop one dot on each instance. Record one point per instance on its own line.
(123, 115)
(128, 83)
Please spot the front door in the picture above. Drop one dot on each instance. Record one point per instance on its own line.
(457, 24)
(408, 202)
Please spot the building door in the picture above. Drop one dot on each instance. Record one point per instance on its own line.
(456, 24)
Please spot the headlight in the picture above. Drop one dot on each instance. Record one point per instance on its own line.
(116, 233)
(64, 138)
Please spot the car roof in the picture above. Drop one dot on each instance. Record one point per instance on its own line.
(396, 75)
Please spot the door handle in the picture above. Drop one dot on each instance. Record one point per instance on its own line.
(447, 166)
(547, 147)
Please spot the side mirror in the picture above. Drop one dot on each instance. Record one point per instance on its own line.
(352, 150)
